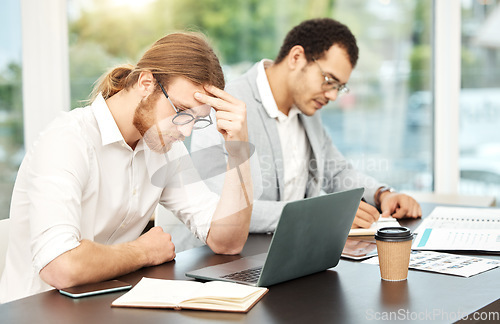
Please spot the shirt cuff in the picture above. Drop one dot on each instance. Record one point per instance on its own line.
(55, 242)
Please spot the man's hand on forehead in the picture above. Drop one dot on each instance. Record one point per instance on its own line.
(230, 112)
(217, 98)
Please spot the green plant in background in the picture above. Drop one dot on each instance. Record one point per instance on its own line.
(103, 35)
(421, 54)
(11, 108)
(420, 61)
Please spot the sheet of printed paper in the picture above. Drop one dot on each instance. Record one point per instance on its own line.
(462, 218)
(447, 263)
(460, 228)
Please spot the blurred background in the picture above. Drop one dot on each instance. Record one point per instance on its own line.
(384, 126)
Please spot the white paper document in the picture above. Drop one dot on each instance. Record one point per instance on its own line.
(459, 228)
(382, 222)
(447, 263)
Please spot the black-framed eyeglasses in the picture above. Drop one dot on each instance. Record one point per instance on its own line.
(183, 118)
(330, 83)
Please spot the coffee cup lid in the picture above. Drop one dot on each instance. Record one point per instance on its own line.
(394, 234)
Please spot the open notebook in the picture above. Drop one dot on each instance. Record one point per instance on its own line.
(382, 222)
(183, 294)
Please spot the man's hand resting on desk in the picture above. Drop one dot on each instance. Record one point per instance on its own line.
(399, 205)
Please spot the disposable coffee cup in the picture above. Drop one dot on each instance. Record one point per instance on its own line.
(393, 248)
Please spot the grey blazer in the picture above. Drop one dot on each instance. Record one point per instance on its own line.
(329, 171)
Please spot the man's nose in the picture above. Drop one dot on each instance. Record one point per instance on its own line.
(332, 94)
(186, 129)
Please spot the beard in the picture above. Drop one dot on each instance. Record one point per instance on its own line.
(157, 139)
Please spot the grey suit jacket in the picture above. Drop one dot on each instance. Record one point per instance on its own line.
(329, 171)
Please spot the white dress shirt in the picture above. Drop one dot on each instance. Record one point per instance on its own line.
(82, 181)
(294, 143)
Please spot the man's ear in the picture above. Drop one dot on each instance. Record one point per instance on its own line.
(146, 83)
(296, 57)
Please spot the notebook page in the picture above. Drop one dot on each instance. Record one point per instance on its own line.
(157, 292)
(382, 222)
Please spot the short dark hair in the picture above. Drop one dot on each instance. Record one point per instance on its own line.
(316, 36)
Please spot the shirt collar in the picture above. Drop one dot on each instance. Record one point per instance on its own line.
(267, 95)
(294, 111)
(265, 89)
(110, 133)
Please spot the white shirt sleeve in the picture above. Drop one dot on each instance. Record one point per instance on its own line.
(186, 195)
(58, 171)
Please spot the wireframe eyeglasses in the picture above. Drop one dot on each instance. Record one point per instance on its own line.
(183, 118)
(330, 83)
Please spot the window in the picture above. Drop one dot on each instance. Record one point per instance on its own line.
(11, 108)
(480, 99)
(384, 126)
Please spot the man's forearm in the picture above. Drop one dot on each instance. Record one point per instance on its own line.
(92, 262)
(231, 221)
(265, 215)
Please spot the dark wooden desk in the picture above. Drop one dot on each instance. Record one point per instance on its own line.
(349, 293)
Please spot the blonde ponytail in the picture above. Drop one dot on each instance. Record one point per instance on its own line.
(110, 83)
(185, 55)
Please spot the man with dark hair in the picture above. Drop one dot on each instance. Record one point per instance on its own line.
(297, 156)
(316, 36)
(88, 187)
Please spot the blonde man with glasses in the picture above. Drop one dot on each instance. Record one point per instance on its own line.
(88, 187)
(297, 157)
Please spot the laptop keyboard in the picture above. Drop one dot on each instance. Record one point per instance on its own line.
(248, 275)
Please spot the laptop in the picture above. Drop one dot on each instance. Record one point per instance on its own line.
(309, 238)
